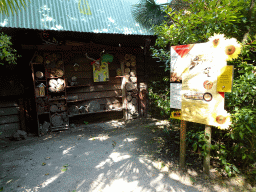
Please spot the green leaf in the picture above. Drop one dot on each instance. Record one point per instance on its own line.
(235, 169)
(63, 170)
(192, 179)
(241, 135)
(248, 128)
(194, 146)
(227, 168)
(244, 156)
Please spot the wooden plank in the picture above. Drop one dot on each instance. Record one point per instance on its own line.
(9, 119)
(82, 74)
(96, 95)
(114, 65)
(89, 81)
(7, 103)
(82, 67)
(101, 101)
(9, 111)
(115, 80)
(94, 88)
(112, 73)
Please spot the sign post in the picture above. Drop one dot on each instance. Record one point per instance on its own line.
(206, 165)
(183, 125)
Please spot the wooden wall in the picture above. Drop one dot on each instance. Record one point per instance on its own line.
(108, 94)
(9, 117)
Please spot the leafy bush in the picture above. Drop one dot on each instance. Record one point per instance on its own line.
(7, 53)
(236, 147)
(159, 98)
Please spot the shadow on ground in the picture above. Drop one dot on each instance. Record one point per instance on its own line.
(110, 156)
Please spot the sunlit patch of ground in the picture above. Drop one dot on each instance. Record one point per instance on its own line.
(141, 155)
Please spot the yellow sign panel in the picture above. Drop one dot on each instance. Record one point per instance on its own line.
(176, 114)
(225, 79)
(100, 73)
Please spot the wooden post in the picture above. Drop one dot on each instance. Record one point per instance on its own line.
(183, 125)
(208, 148)
(124, 100)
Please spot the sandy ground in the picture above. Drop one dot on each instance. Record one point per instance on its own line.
(111, 156)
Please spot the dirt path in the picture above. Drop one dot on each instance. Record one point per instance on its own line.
(104, 157)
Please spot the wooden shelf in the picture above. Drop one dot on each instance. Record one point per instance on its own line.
(56, 77)
(59, 128)
(73, 101)
(88, 85)
(77, 71)
(38, 63)
(55, 92)
(43, 113)
(40, 96)
(40, 80)
(102, 111)
(58, 111)
(57, 99)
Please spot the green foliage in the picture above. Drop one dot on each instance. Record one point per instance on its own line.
(241, 104)
(159, 97)
(204, 18)
(199, 21)
(234, 148)
(196, 139)
(7, 53)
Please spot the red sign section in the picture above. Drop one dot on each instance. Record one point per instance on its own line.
(183, 50)
(222, 94)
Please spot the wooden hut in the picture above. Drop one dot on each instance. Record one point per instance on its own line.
(87, 64)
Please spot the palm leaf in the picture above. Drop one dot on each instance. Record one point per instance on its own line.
(7, 6)
(148, 13)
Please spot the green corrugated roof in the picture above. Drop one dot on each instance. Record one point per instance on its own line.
(94, 16)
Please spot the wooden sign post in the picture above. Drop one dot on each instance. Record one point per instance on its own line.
(183, 126)
(206, 165)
